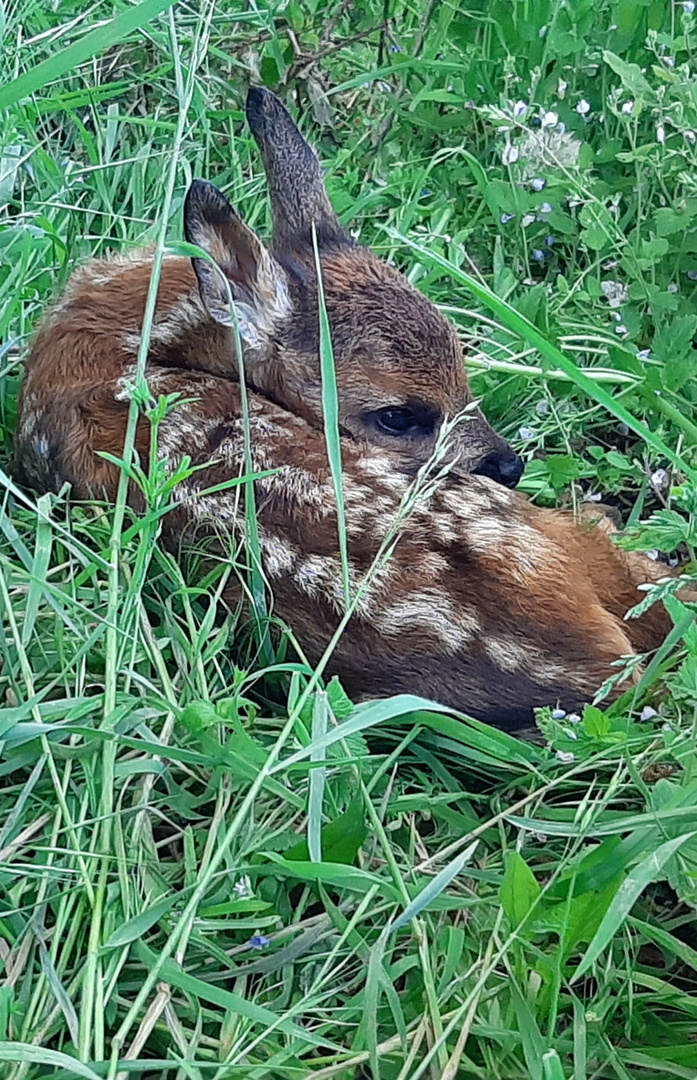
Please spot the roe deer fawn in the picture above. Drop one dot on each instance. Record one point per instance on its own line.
(487, 604)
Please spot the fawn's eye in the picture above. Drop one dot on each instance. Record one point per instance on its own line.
(405, 420)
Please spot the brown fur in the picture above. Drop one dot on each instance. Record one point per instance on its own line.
(488, 603)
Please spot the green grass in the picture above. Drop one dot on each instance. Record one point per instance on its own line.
(201, 874)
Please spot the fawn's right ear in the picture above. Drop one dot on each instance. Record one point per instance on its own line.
(258, 284)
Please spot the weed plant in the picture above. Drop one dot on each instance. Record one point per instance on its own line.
(211, 866)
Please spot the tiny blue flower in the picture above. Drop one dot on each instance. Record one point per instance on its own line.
(520, 108)
(538, 184)
(574, 718)
(558, 714)
(647, 713)
(425, 193)
(549, 241)
(526, 433)
(538, 255)
(258, 942)
(505, 218)
(692, 275)
(395, 48)
(546, 208)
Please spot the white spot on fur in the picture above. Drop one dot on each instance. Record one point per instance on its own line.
(433, 613)
(280, 556)
(507, 654)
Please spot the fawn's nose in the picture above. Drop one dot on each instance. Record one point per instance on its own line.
(503, 466)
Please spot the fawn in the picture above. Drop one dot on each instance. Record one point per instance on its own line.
(487, 604)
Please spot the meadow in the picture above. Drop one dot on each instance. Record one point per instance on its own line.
(210, 868)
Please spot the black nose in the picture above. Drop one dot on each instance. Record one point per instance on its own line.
(503, 466)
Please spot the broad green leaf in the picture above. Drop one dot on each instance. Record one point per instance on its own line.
(342, 838)
(139, 925)
(519, 890)
(633, 81)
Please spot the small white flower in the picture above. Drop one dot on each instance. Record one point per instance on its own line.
(542, 409)
(561, 127)
(583, 107)
(669, 61)
(593, 496)
(558, 714)
(505, 218)
(562, 87)
(660, 134)
(652, 554)
(615, 292)
(692, 275)
(571, 734)
(627, 107)
(510, 154)
(550, 119)
(565, 756)
(688, 6)
(520, 108)
(672, 288)
(241, 888)
(527, 219)
(660, 479)
(526, 433)
(612, 27)
(644, 355)
(538, 184)
(542, 31)
(574, 718)
(647, 713)
(666, 727)
(621, 329)
(546, 208)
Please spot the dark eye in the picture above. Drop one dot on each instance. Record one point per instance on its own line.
(405, 420)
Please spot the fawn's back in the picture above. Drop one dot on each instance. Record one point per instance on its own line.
(487, 603)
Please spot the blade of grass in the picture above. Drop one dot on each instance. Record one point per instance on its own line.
(330, 409)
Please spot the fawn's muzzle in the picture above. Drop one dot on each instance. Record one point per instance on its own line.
(503, 466)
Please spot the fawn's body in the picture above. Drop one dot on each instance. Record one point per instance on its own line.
(488, 604)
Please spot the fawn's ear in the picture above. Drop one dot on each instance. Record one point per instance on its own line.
(298, 195)
(258, 284)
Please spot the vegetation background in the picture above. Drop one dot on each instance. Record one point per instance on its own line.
(200, 875)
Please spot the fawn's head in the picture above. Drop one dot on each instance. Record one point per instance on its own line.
(399, 363)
